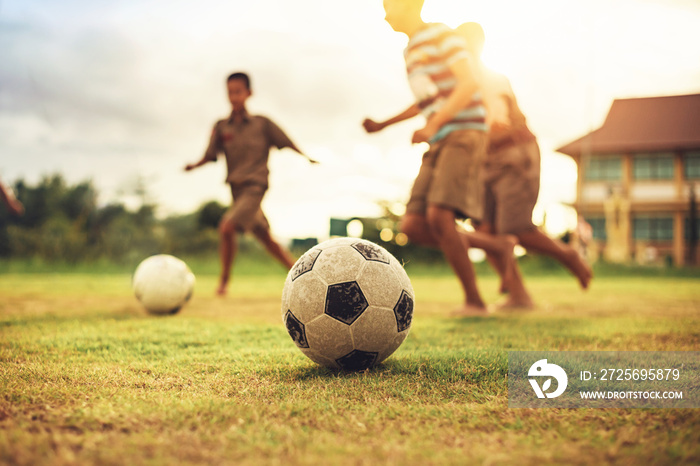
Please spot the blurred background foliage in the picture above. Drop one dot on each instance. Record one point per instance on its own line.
(65, 228)
(65, 223)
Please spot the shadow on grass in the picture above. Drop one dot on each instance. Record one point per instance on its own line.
(474, 365)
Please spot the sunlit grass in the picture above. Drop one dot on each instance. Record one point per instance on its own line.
(87, 377)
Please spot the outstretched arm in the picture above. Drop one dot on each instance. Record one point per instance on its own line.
(279, 139)
(211, 153)
(297, 150)
(372, 126)
(15, 207)
(192, 166)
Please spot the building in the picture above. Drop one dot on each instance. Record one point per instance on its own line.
(638, 176)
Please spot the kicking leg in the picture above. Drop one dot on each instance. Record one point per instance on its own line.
(416, 227)
(419, 231)
(539, 242)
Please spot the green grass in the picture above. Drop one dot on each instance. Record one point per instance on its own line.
(86, 377)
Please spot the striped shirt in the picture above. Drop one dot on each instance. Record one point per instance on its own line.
(429, 54)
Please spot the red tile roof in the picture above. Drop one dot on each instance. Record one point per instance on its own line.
(644, 125)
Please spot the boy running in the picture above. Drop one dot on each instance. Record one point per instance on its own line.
(512, 176)
(447, 186)
(245, 140)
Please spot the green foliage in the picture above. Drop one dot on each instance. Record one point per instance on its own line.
(210, 214)
(64, 223)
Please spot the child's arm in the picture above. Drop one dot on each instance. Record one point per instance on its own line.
(372, 126)
(10, 201)
(192, 166)
(297, 150)
(212, 151)
(279, 139)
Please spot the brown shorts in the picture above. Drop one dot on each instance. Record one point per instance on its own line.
(449, 175)
(246, 213)
(512, 184)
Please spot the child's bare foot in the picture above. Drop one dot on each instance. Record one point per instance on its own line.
(470, 310)
(579, 268)
(222, 289)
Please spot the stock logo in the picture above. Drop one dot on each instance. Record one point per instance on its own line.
(542, 369)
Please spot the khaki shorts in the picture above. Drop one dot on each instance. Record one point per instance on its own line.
(512, 184)
(449, 175)
(246, 213)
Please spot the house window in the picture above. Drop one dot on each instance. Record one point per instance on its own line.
(653, 228)
(692, 165)
(604, 168)
(598, 225)
(656, 166)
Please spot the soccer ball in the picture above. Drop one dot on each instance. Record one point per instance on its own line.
(163, 284)
(347, 304)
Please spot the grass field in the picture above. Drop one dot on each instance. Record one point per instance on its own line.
(88, 378)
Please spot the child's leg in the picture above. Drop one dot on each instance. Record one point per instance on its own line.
(415, 226)
(228, 245)
(275, 249)
(498, 248)
(539, 242)
(518, 297)
(496, 262)
(499, 252)
(455, 247)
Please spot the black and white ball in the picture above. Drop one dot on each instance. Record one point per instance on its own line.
(163, 284)
(347, 303)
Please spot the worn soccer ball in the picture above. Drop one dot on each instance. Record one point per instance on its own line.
(163, 284)
(347, 304)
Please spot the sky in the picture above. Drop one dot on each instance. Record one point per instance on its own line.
(117, 92)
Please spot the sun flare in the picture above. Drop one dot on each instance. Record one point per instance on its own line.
(511, 26)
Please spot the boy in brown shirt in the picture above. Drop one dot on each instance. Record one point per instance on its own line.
(245, 140)
(512, 177)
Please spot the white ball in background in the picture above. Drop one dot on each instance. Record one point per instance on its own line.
(163, 284)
